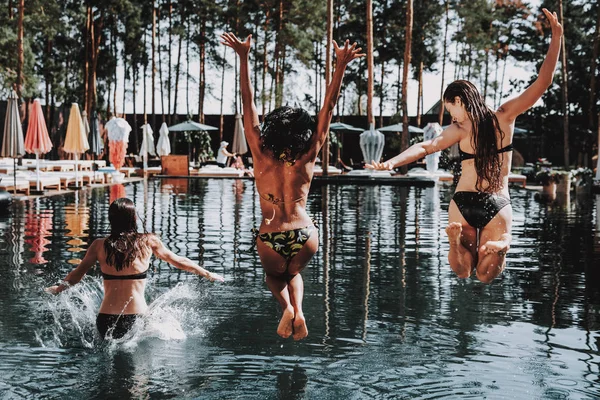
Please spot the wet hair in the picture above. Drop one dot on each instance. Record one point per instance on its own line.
(125, 244)
(287, 133)
(484, 140)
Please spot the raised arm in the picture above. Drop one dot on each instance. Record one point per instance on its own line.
(184, 263)
(514, 107)
(344, 56)
(251, 122)
(75, 276)
(447, 138)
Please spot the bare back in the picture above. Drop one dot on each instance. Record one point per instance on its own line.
(283, 188)
(124, 296)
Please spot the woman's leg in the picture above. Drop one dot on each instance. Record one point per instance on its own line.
(494, 242)
(463, 243)
(296, 284)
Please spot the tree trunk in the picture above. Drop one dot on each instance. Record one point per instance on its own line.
(487, 68)
(177, 71)
(565, 97)
(95, 39)
(398, 92)
(187, 69)
(317, 79)
(325, 150)
(113, 43)
(447, 22)
(160, 73)
(153, 65)
(20, 54)
(256, 57)
(278, 56)
(370, 118)
(86, 70)
(381, 94)
(134, 78)
(47, 77)
(10, 10)
(169, 86)
(222, 94)
(420, 95)
(202, 77)
(144, 80)
(265, 63)
(592, 101)
(408, 36)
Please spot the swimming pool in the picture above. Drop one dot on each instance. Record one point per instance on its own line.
(386, 316)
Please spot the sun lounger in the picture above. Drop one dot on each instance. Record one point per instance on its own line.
(8, 183)
(214, 171)
(331, 170)
(45, 180)
(517, 178)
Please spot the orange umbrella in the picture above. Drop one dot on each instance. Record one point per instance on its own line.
(76, 139)
(37, 140)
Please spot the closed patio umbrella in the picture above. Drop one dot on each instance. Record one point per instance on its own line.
(163, 147)
(118, 138)
(96, 143)
(239, 138)
(76, 141)
(147, 144)
(37, 140)
(12, 144)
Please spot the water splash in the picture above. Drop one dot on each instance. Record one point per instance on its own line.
(71, 317)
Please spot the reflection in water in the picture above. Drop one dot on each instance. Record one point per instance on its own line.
(38, 225)
(388, 316)
(77, 218)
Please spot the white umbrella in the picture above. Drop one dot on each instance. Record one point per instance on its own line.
(147, 144)
(239, 139)
(163, 147)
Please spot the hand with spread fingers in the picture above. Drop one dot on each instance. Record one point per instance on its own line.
(344, 55)
(380, 166)
(241, 48)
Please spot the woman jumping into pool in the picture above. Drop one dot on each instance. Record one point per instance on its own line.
(284, 150)
(124, 259)
(480, 215)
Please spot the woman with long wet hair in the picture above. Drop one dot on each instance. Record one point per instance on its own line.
(124, 258)
(284, 150)
(480, 215)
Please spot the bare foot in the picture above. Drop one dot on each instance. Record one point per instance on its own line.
(499, 247)
(300, 329)
(285, 328)
(454, 230)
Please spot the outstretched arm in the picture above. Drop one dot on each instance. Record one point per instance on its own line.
(344, 56)
(513, 108)
(184, 263)
(78, 273)
(447, 138)
(251, 122)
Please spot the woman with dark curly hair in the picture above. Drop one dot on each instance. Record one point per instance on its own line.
(124, 258)
(284, 150)
(480, 215)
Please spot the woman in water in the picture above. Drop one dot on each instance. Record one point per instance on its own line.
(284, 150)
(480, 215)
(124, 259)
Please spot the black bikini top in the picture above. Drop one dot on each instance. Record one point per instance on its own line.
(108, 277)
(468, 156)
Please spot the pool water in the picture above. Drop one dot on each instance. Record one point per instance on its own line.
(386, 316)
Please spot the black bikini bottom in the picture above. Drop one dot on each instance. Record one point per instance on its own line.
(115, 325)
(479, 208)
